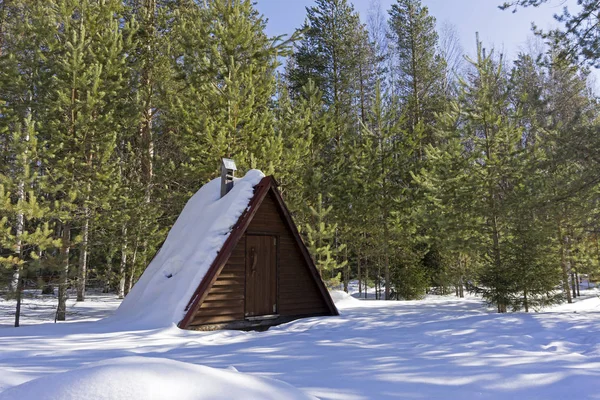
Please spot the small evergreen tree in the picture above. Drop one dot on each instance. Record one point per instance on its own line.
(26, 232)
(321, 237)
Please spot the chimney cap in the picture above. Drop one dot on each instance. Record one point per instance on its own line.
(228, 163)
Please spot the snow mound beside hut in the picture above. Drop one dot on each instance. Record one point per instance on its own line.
(132, 378)
(160, 296)
(343, 299)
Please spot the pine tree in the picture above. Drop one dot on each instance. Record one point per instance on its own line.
(495, 140)
(482, 144)
(226, 109)
(579, 37)
(420, 83)
(532, 250)
(420, 68)
(137, 148)
(335, 55)
(386, 178)
(321, 237)
(25, 214)
(18, 76)
(304, 125)
(86, 60)
(450, 201)
(569, 115)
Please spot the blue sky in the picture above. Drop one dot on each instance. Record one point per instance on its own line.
(503, 30)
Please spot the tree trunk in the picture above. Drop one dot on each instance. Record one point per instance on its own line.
(63, 283)
(577, 281)
(387, 275)
(14, 280)
(107, 284)
(346, 270)
(563, 263)
(122, 265)
(2, 22)
(498, 261)
(83, 257)
(146, 125)
(131, 272)
(378, 285)
(366, 277)
(16, 276)
(525, 302)
(145, 128)
(358, 274)
(573, 287)
(415, 83)
(19, 295)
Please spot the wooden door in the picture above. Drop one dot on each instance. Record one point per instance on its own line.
(261, 275)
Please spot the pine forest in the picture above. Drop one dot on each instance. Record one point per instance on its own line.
(408, 165)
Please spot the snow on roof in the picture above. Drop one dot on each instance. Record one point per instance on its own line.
(130, 378)
(160, 296)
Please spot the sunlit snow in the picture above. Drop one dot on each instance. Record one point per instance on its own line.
(437, 348)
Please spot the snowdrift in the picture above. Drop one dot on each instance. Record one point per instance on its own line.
(343, 299)
(160, 296)
(144, 378)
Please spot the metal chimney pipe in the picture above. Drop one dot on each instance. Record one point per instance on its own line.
(228, 169)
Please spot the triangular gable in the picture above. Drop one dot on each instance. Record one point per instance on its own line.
(261, 190)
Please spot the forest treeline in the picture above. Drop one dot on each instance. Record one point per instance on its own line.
(406, 165)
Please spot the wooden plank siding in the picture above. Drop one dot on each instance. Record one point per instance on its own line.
(225, 299)
(297, 292)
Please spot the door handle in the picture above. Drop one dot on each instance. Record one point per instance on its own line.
(253, 260)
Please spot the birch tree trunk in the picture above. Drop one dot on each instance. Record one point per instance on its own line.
(19, 293)
(16, 275)
(17, 278)
(20, 217)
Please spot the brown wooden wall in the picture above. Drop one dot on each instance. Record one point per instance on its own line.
(225, 299)
(298, 293)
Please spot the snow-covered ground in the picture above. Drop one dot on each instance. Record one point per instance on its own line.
(440, 347)
(38, 308)
(152, 378)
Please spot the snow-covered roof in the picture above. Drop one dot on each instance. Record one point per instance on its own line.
(165, 288)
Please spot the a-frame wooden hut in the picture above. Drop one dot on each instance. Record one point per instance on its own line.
(263, 275)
